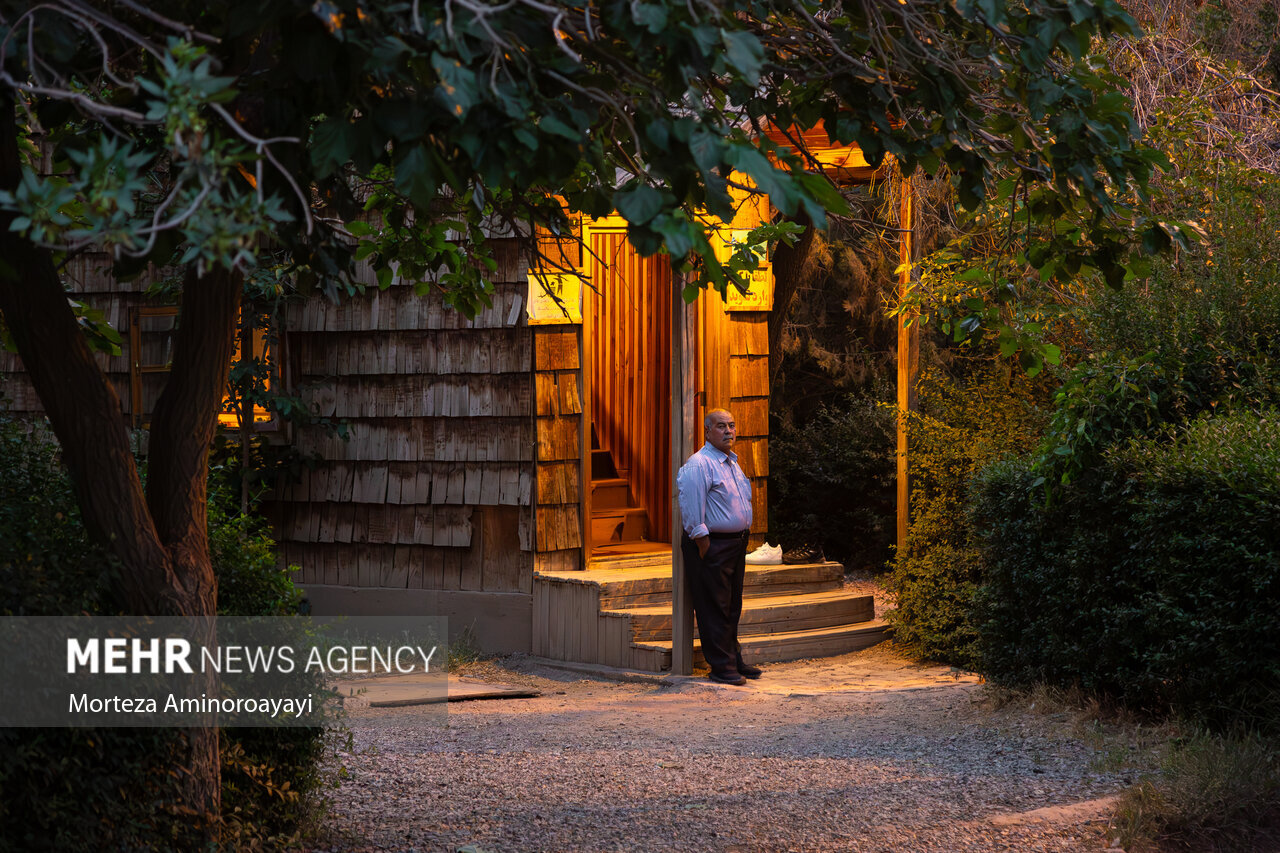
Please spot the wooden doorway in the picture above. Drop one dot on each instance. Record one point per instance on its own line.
(628, 318)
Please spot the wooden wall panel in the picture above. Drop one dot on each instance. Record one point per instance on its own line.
(558, 483)
(749, 333)
(753, 456)
(559, 439)
(734, 373)
(412, 396)
(559, 527)
(749, 376)
(751, 416)
(557, 349)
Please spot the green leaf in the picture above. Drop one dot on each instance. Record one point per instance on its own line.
(457, 90)
(551, 124)
(640, 205)
(745, 53)
(650, 16)
(331, 145)
(415, 176)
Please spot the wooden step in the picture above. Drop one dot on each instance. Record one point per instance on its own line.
(622, 590)
(610, 493)
(770, 615)
(617, 556)
(794, 645)
(602, 467)
(619, 524)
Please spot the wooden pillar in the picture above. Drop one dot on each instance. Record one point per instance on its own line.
(908, 353)
(684, 411)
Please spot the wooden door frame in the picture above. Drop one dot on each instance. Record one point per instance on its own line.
(613, 224)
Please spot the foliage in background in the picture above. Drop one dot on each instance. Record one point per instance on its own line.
(1154, 579)
(831, 482)
(78, 788)
(835, 339)
(964, 422)
(831, 449)
(1199, 335)
(1202, 335)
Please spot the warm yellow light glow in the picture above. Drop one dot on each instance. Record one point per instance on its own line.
(229, 417)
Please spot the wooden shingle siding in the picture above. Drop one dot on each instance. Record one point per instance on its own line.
(433, 487)
(559, 441)
(432, 353)
(88, 275)
(401, 308)
(487, 484)
(420, 396)
(425, 439)
(744, 341)
(493, 561)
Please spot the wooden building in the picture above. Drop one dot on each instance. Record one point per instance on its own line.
(534, 439)
(515, 472)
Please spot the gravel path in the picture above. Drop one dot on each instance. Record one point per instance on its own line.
(865, 752)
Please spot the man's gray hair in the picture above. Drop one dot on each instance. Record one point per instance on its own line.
(706, 420)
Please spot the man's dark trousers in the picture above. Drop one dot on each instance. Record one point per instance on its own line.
(715, 583)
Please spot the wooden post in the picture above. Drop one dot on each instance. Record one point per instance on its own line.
(683, 410)
(908, 354)
(247, 317)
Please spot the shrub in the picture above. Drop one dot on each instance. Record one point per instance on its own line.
(831, 482)
(1202, 335)
(47, 563)
(1154, 579)
(68, 788)
(963, 424)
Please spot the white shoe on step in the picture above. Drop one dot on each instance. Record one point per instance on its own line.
(765, 555)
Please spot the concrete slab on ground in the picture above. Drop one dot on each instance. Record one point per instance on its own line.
(395, 691)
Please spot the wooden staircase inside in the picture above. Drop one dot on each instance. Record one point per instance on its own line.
(617, 522)
(618, 613)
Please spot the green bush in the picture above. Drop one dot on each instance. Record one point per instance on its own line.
(47, 563)
(89, 789)
(962, 424)
(1155, 578)
(831, 482)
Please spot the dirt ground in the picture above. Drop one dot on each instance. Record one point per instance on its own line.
(863, 752)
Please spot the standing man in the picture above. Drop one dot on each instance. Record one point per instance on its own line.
(715, 508)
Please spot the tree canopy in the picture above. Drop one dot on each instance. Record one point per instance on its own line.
(208, 128)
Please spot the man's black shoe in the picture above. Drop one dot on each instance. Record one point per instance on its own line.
(731, 677)
(804, 554)
(746, 670)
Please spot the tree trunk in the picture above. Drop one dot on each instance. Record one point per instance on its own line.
(790, 271)
(161, 536)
